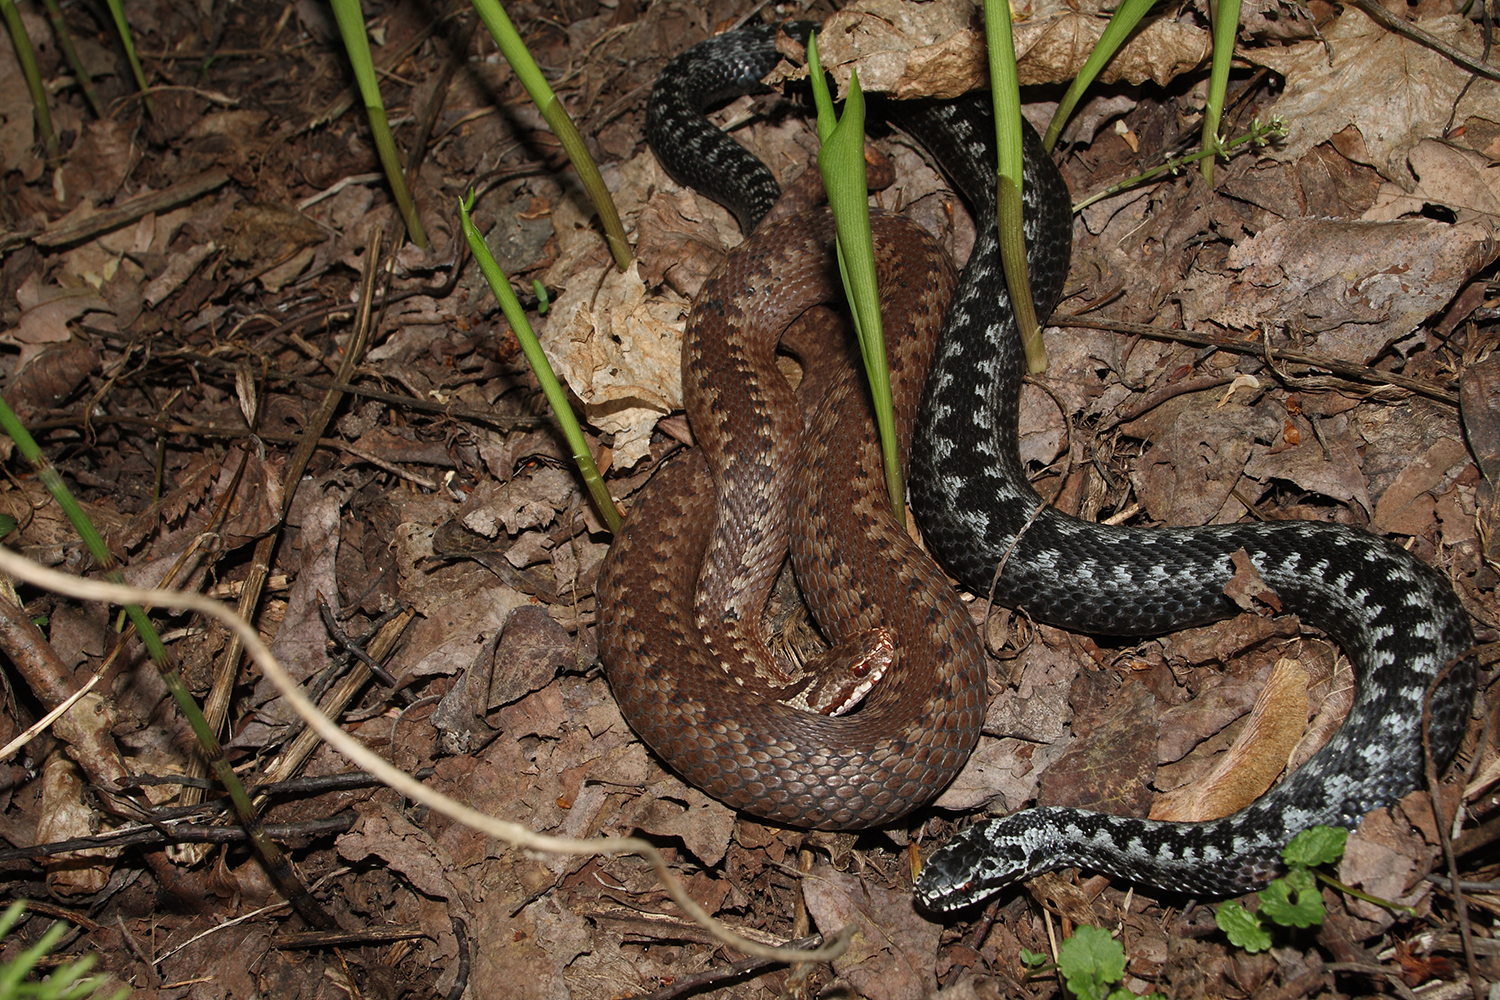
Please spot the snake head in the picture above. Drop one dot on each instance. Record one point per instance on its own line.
(972, 866)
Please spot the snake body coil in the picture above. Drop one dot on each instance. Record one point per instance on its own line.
(1398, 620)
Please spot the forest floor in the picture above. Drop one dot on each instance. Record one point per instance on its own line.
(172, 359)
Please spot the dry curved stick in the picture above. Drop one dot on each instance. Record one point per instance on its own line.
(95, 590)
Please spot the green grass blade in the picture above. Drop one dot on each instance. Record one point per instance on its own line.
(351, 23)
(1005, 87)
(26, 56)
(70, 53)
(492, 12)
(122, 26)
(841, 161)
(532, 348)
(1226, 27)
(48, 475)
(1121, 24)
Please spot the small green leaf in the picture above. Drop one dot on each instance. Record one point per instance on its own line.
(1242, 927)
(1277, 904)
(543, 303)
(1318, 845)
(1090, 960)
(7, 524)
(1033, 959)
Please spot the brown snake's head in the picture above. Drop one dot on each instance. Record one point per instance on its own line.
(849, 671)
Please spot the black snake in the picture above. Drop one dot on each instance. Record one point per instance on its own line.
(1398, 620)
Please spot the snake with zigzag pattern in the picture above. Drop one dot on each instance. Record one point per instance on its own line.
(1398, 620)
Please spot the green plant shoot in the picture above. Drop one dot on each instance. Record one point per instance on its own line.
(841, 161)
(1121, 24)
(351, 24)
(532, 348)
(1005, 88)
(1226, 15)
(492, 12)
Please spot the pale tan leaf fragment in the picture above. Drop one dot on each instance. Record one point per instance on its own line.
(1255, 759)
(620, 350)
(1246, 588)
(937, 49)
(1462, 180)
(66, 814)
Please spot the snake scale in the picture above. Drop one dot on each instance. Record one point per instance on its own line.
(1398, 620)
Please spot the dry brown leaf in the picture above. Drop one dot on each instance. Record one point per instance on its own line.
(1110, 765)
(45, 314)
(1255, 759)
(894, 954)
(1459, 179)
(1197, 456)
(1394, 91)
(1360, 286)
(1246, 588)
(1006, 770)
(1327, 464)
(1407, 505)
(937, 49)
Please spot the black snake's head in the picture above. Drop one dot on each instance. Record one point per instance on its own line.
(973, 865)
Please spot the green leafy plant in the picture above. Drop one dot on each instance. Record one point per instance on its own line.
(1290, 901)
(65, 983)
(841, 161)
(1090, 963)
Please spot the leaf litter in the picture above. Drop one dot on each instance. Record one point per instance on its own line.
(441, 500)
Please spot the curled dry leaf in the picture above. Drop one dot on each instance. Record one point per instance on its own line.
(1462, 180)
(937, 49)
(1336, 279)
(1258, 755)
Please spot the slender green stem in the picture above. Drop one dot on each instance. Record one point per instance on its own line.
(1121, 24)
(1226, 15)
(122, 26)
(841, 161)
(532, 348)
(48, 475)
(1259, 135)
(26, 55)
(351, 22)
(504, 32)
(70, 53)
(1006, 90)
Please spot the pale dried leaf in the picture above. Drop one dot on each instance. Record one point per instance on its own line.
(620, 349)
(1459, 179)
(1256, 758)
(937, 49)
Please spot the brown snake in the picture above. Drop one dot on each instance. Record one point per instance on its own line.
(684, 654)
